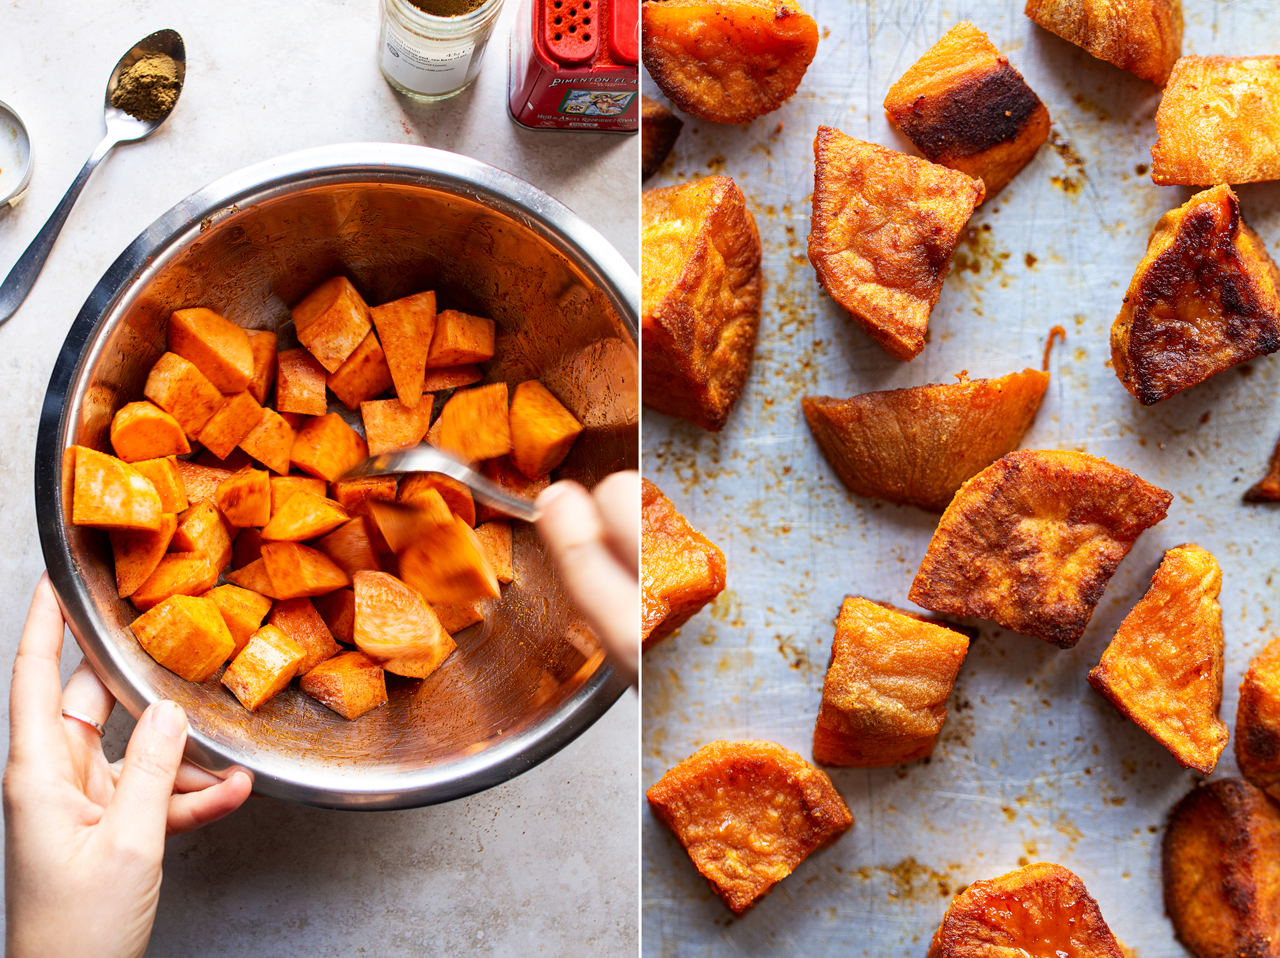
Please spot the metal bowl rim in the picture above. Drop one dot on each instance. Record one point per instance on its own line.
(28, 161)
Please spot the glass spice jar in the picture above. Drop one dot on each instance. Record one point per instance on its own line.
(431, 57)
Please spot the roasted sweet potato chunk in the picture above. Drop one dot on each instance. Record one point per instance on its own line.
(165, 478)
(542, 429)
(659, 128)
(362, 375)
(185, 634)
(885, 226)
(300, 384)
(1163, 669)
(245, 499)
(390, 425)
(1221, 865)
(350, 683)
(963, 105)
(396, 626)
(200, 482)
(262, 344)
(204, 529)
(918, 446)
(263, 668)
(1258, 721)
(110, 494)
(1218, 122)
(332, 321)
(298, 619)
(137, 552)
(218, 347)
(1040, 909)
(1144, 38)
(1267, 489)
(270, 442)
(700, 298)
(884, 697)
(681, 569)
(456, 495)
(180, 389)
(405, 327)
(327, 447)
(475, 424)
(512, 481)
(1202, 300)
(728, 61)
(748, 813)
(142, 430)
(242, 610)
(296, 571)
(460, 338)
(304, 516)
(1031, 542)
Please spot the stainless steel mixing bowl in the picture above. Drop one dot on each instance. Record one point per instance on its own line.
(396, 220)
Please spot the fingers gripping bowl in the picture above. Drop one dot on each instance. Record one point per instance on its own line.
(396, 219)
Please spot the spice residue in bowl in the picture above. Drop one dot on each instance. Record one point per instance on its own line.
(148, 89)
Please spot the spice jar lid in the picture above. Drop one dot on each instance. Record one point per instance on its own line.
(624, 31)
(571, 29)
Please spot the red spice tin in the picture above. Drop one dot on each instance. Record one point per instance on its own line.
(575, 65)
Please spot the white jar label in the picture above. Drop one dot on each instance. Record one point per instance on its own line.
(435, 71)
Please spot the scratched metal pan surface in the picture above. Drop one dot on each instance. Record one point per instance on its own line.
(1032, 763)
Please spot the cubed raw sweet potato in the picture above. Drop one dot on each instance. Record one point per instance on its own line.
(200, 482)
(283, 488)
(166, 479)
(110, 494)
(218, 347)
(142, 430)
(246, 547)
(262, 344)
(234, 461)
(327, 447)
(1143, 38)
(542, 430)
(270, 442)
(659, 128)
(242, 610)
(177, 573)
(331, 321)
(406, 524)
(683, 569)
(390, 425)
(245, 498)
(297, 571)
(350, 683)
(137, 552)
(475, 424)
(363, 375)
(455, 618)
(405, 327)
(502, 473)
(448, 565)
(495, 542)
(456, 495)
(350, 548)
(338, 609)
(1257, 738)
(300, 384)
(203, 528)
(180, 389)
(235, 419)
(304, 516)
(396, 626)
(460, 339)
(186, 635)
(263, 668)
(299, 620)
(254, 577)
(450, 377)
(355, 494)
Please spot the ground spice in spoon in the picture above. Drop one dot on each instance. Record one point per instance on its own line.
(447, 8)
(148, 89)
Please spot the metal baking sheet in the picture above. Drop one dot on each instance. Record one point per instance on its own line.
(1032, 764)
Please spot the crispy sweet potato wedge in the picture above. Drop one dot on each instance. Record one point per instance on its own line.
(355, 494)
(350, 683)
(235, 419)
(456, 495)
(327, 447)
(242, 611)
(200, 482)
(748, 813)
(350, 547)
(475, 424)
(495, 542)
(304, 516)
(1040, 909)
(1258, 721)
(245, 498)
(338, 609)
(203, 528)
(298, 619)
(186, 635)
(1267, 489)
(396, 626)
(180, 389)
(659, 128)
(963, 105)
(142, 430)
(137, 552)
(363, 375)
(405, 327)
(270, 442)
(700, 299)
(728, 61)
(450, 377)
(300, 384)
(681, 569)
(165, 478)
(218, 347)
(512, 481)
(885, 226)
(1221, 864)
(1163, 669)
(296, 571)
(262, 345)
(542, 429)
(1031, 542)
(332, 321)
(1144, 38)
(918, 446)
(390, 425)
(285, 487)
(254, 578)
(459, 339)
(884, 697)
(263, 668)
(177, 573)
(110, 494)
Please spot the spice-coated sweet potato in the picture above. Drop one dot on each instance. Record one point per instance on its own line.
(396, 626)
(245, 498)
(137, 552)
(1040, 909)
(300, 384)
(142, 430)
(885, 226)
(270, 442)
(262, 345)
(203, 528)
(180, 389)
(542, 429)
(350, 547)
(254, 577)
(495, 542)
(1031, 542)
(405, 327)
(331, 321)
(166, 479)
(304, 516)
(917, 446)
(236, 460)
(459, 338)
(327, 447)
(363, 375)
(512, 481)
(242, 611)
(728, 61)
(296, 571)
(235, 419)
(200, 482)
(390, 425)
(659, 128)
(748, 813)
(186, 635)
(110, 494)
(405, 524)
(1218, 122)
(338, 609)
(448, 565)
(355, 494)
(475, 424)
(298, 619)
(700, 298)
(455, 618)
(681, 569)
(1141, 36)
(218, 347)
(450, 377)
(884, 696)
(456, 495)
(177, 573)
(246, 547)
(285, 487)
(1163, 669)
(1202, 300)
(963, 105)
(350, 683)
(1258, 721)
(263, 668)
(1221, 871)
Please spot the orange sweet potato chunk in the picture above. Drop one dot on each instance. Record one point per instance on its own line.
(166, 479)
(1267, 489)
(659, 128)
(242, 610)
(218, 347)
(142, 430)
(270, 442)
(450, 377)
(363, 375)
(262, 344)
(236, 460)
(244, 499)
(728, 61)
(110, 494)
(1144, 38)
(405, 327)
(475, 424)
(300, 384)
(263, 668)
(177, 573)
(201, 482)
(350, 684)
(455, 618)
(203, 528)
(1258, 721)
(542, 430)
(1040, 909)
(443, 558)
(285, 487)
(390, 425)
(296, 571)
(495, 542)
(396, 626)
(180, 389)
(512, 481)
(253, 577)
(748, 813)
(338, 609)
(682, 570)
(327, 447)
(246, 547)
(350, 547)
(186, 635)
(331, 321)
(299, 620)
(137, 552)
(456, 495)
(460, 339)
(235, 419)
(304, 516)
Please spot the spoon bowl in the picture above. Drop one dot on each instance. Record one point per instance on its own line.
(121, 126)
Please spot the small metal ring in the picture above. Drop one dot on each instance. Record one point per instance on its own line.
(81, 717)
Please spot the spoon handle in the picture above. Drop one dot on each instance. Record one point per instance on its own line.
(22, 277)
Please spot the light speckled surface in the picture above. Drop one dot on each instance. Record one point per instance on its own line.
(543, 865)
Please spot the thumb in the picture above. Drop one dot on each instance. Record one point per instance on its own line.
(139, 808)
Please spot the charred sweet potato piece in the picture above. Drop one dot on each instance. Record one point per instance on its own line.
(331, 321)
(1040, 909)
(1258, 721)
(186, 635)
(254, 578)
(963, 105)
(177, 573)
(165, 478)
(285, 487)
(1218, 122)
(242, 611)
(218, 347)
(245, 498)
(1267, 489)
(748, 813)
(659, 128)
(460, 338)
(270, 442)
(450, 377)
(390, 425)
(456, 495)
(681, 569)
(700, 298)
(137, 552)
(396, 626)
(512, 481)
(300, 384)
(405, 327)
(203, 528)
(180, 389)
(235, 419)
(918, 446)
(350, 683)
(263, 668)
(362, 375)
(1144, 38)
(338, 609)
(304, 516)
(885, 226)
(355, 494)
(262, 345)
(884, 697)
(327, 447)
(350, 548)
(296, 571)
(495, 542)
(542, 429)
(728, 61)
(298, 619)
(142, 430)
(1031, 542)
(1202, 300)
(475, 424)
(110, 494)
(1221, 865)
(200, 482)
(1163, 669)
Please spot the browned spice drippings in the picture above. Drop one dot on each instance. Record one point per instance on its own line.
(1056, 333)
(447, 8)
(148, 89)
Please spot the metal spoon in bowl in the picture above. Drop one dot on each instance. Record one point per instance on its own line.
(121, 128)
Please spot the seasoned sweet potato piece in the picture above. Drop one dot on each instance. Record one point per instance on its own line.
(296, 571)
(332, 321)
(263, 668)
(1202, 300)
(1221, 865)
(304, 516)
(396, 626)
(449, 566)
(142, 430)
(201, 482)
(728, 61)
(884, 697)
(236, 460)
(242, 611)
(327, 447)
(405, 524)
(512, 481)
(455, 618)
(203, 528)
(270, 442)
(186, 635)
(1144, 38)
(350, 547)
(246, 547)
(460, 338)
(542, 429)
(748, 813)
(235, 419)
(1163, 669)
(450, 377)
(1031, 542)
(110, 494)
(166, 479)
(254, 577)
(918, 446)
(355, 494)
(350, 684)
(1267, 489)
(218, 347)
(456, 495)
(1258, 721)
(178, 573)
(299, 620)
(659, 128)
(137, 552)
(245, 498)
(475, 424)
(285, 487)
(1040, 909)
(300, 384)
(180, 389)
(884, 228)
(363, 375)
(1218, 122)
(964, 106)
(262, 345)
(405, 327)
(681, 569)
(390, 425)
(700, 298)
(495, 542)
(338, 609)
